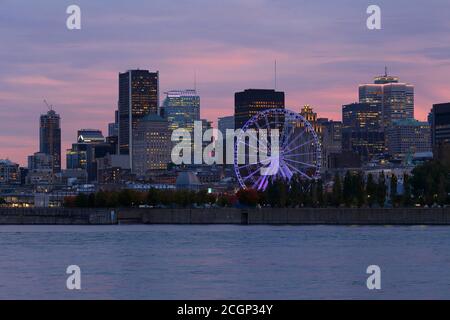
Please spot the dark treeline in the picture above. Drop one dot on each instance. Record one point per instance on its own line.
(154, 197)
(429, 184)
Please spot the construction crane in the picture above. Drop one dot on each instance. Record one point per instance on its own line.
(49, 106)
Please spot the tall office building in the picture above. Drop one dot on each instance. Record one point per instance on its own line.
(9, 172)
(181, 108)
(408, 136)
(251, 101)
(113, 127)
(362, 129)
(138, 97)
(152, 150)
(77, 156)
(331, 139)
(224, 124)
(308, 113)
(40, 169)
(91, 145)
(440, 125)
(50, 138)
(395, 98)
(90, 136)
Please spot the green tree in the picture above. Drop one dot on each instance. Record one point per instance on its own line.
(348, 189)
(426, 184)
(247, 197)
(2, 201)
(153, 197)
(337, 191)
(295, 192)
(82, 201)
(406, 198)
(320, 194)
(91, 200)
(282, 186)
(381, 189)
(272, 194)
(359, 189)
(125, 198)
(393, 190)
(442, 191)
(224, 200)
(112, 199)
(371, 190)
(101, 199)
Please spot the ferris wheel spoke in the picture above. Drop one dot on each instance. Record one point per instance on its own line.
(296, 138)
(286, 135)
(303, 144)
(255, 139)
(300, 162)
(299, 171)
(267, 121)
(250, 175)
(296, 154)
(260, 183)
(254, 164)
(250, 146)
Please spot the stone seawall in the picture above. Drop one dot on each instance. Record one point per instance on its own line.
(278, 216)
(58, 216)
(333, 216)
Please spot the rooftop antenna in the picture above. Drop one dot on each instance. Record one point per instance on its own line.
(195, 80)
(275, 74)
(49, 106)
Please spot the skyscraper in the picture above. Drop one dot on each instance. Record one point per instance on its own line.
(408, 136)
(50, 138)
(152, 148)
(113, 127)
(362, 130)
(9, 172)
(224, 124)
(331, 139)
(395, 98)
(138, 97)
(181, 108)
(251, 101)
(440, 125)
(90, 146)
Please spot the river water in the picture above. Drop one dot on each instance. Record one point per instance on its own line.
(224, 262)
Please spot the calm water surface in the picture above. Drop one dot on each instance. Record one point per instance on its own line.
(224, 262)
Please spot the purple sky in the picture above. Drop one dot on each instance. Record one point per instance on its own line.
(323, 49)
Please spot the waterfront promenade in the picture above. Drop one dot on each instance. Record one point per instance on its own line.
(250, 216)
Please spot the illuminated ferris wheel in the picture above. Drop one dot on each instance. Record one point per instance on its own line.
(299, 151)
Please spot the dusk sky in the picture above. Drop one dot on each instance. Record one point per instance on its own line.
(323, 50)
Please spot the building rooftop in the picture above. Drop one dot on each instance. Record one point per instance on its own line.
(7, 162)
(181, 93)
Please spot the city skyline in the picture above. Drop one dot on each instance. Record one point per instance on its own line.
(321, 60)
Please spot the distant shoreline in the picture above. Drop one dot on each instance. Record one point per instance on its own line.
(250, 216)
